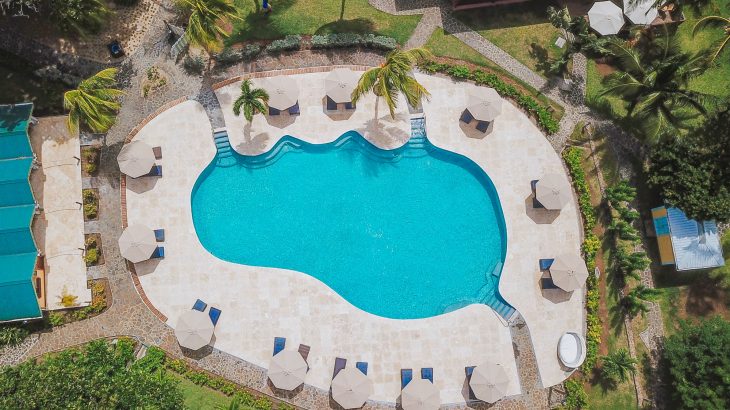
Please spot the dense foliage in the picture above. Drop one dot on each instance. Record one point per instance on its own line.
(252, 100)
(94, 103)
(618, 365)
(693, 173)
(12, 335)
(81, 16)
(99, 375)
(575, 397)
(698, 360)
(206, 21)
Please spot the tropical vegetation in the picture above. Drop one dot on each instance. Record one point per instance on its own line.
(724, 23)
(634, 302)
(94, 103)
(80, 16)
(698, 362)
(618, 365)
(393, 77)
(206, 22)
(252, 100)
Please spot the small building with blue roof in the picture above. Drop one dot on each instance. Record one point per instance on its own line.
(684, 242)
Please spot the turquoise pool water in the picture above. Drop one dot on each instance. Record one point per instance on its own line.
(407, 233)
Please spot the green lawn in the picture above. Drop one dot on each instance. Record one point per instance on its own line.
(522, 30)
(308, 17)
(202, 398)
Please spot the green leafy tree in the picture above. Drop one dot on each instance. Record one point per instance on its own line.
(252, 100)
(620, 194)
(94, 103)
(654, 87)
(692, 173)
(635, 301)
(393, 77)
(80, 16)
(578, 37)
(623, 230)
(206, 22)
(629, 264)
(698, 360)
(723, 22)
(618, 365)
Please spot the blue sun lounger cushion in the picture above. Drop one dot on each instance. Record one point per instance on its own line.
(466, 117)
(214, 315)
(363, 367)
(482, 126)
(160, 235)
(156, 171)
(469, 370)
(274, 111)
(331, 104)
(200, 305)
(340, 364)
(427, 373)
(406, 375)
(294, 109)
(279, 344)
(159, 253)
(535, 202)
(349, 105)
(545, 264)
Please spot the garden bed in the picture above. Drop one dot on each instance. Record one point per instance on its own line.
(94, 255)
(91, 204)
(100, 299)
(90, 158)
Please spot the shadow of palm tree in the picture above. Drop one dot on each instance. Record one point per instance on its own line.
(356, 25)
(257, 25)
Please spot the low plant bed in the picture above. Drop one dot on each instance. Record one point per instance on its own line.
(94, 255)
(155, 80)
(91, 204)
(90, 157)
(100, 297)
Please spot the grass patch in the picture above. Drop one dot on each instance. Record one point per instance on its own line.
(622, 397)
(317, 17)
(522, 30)
(200, 397)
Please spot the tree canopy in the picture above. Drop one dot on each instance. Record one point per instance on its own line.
(692, 173)
(698, 359)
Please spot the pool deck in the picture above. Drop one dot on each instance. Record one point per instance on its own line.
(261, 303)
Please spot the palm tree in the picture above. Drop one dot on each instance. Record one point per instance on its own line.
(618, 365)
(654, 84)
(714, 20)
(205, 26)
(634, 301)
(253, 101)
(94, 103)
(392, 77)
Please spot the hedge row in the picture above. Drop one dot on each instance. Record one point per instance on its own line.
(541, 113)
(573, 158)
(353, 40)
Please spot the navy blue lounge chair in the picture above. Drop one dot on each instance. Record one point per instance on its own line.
(160, 235)
(304, 351)
(156, 171)
(159, 253)
(427, 373)
(363, 367)
(482, 126)
(406, 375)
(466, 117)
(200, 305)
(349, 105)
(547, 283)
(468, 371)
(535, 202)
(331, 104)
(545, 264)
(279, 344)
(274, 111)
(340, 364)
(214, 315)
(158, 152)
(294, 109)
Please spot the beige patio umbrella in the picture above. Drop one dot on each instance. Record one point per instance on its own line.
(420, 394)
(136, 159)
(553, 191)
(194, 329)
(339, 84)
(287, 370)
(569, 271)
(484, 104)
(606, 18)
(283, 92)
(489, 382)
(137, 243)
(351, 388)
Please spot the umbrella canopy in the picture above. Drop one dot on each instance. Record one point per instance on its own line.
(136, 159)
(553, 191)
(194, 329)
(287, 370)
(283, 92)
(484, 104)
(351, 388)
(137, 243)
(339, 84)
(606, 18)
(420, 394)
(640, 11)
(489, 382)
(569, 271)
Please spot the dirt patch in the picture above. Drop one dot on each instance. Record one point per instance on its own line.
(704, 298)
(604, 69)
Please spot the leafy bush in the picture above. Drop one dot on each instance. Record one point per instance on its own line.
(340, 40)
(288, 43)
(91, 257)
(197, 377)
(91, 211)
(81, 16)
(152, 361)
(177, 365)
(461, 72)
(90, 168)
(12, 335)
(574, 157)
(576, 398)
(379, 42)
(193, 64)
(55, 319)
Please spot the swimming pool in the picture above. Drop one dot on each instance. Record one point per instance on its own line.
(407, 233)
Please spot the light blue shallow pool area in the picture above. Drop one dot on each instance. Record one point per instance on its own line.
(408, 233)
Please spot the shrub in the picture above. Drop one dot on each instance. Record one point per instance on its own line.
(55, 319)
(335, 40)
(461, 72)
(228, 388)
(196, 377)
(90, 168)
(91, 257)
(288, 43)
(81, 16)
(12, 335)
(193, 64)
(379, 42)
(228, 56)
(90, 211)
(576, 398)
(250, 51)
(177, 365)
(152, 361)
(574, 157)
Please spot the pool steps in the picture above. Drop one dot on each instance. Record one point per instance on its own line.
(224, 157)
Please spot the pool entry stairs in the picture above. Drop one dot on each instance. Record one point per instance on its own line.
(224, 153)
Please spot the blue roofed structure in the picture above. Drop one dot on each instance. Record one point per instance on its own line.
(694, 245)
(18, 252)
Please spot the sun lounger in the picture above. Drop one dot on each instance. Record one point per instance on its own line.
(214, 314)
(466, 117)
(547, 283)
(160, 235)
(545, 264)
(331, 104)
(304, 351)
(279, 344)
(274, 111)
(159, 253)
(482, 126)
(294, 109)
(363, 367)
(200, 305)
(158, 152)
(406, 375)
(468, 371)
(156, 171)
(340, 364)
(427, 373)
(349, 105)
(535, 202)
